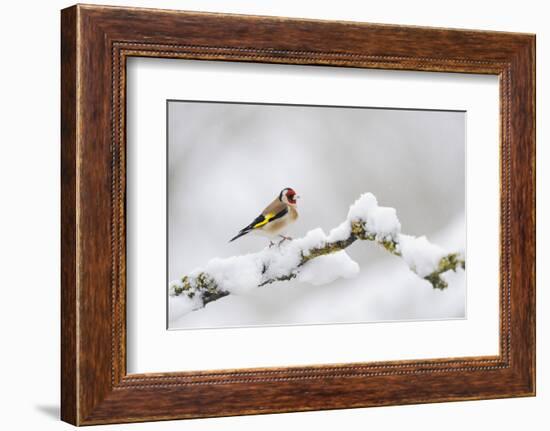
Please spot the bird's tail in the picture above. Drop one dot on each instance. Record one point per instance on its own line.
(241, 233)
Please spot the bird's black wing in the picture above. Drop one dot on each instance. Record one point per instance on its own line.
(260, 221)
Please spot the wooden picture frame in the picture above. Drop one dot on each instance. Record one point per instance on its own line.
(95, 43)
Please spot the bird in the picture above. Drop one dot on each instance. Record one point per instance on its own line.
(275, 218)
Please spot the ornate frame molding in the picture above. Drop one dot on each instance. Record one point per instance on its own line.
(96, 41)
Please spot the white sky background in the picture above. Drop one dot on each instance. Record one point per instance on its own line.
(228, 161)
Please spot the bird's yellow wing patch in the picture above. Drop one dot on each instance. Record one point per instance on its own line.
(265, 221)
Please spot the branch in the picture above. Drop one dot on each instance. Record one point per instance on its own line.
(318, 258)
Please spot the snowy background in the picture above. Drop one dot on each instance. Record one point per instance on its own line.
(228, 161)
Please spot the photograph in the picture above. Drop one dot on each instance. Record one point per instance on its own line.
(282, 214)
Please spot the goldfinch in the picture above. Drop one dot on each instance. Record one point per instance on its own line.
(275, 218)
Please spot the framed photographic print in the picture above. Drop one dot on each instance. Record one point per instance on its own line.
(265, 214)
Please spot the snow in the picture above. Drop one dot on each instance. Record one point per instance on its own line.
(421, 255)
(182, 305)
(340, 232)
(234, 274)
(384, 290)
(380, 221)
(314, 239)
(241, 275)
(280, 260)
(325, 269)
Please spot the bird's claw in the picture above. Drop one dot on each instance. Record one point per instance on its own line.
(284, 238)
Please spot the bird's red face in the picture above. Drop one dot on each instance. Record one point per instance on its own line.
(290, 196)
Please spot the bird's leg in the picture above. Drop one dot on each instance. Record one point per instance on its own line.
(284, 238)
(271, 244)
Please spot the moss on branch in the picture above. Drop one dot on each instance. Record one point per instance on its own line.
(204, 289)
(202, 286)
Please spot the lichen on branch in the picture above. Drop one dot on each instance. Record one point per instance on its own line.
(318, 258)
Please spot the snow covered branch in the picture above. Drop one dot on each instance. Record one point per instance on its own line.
(318, 258)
